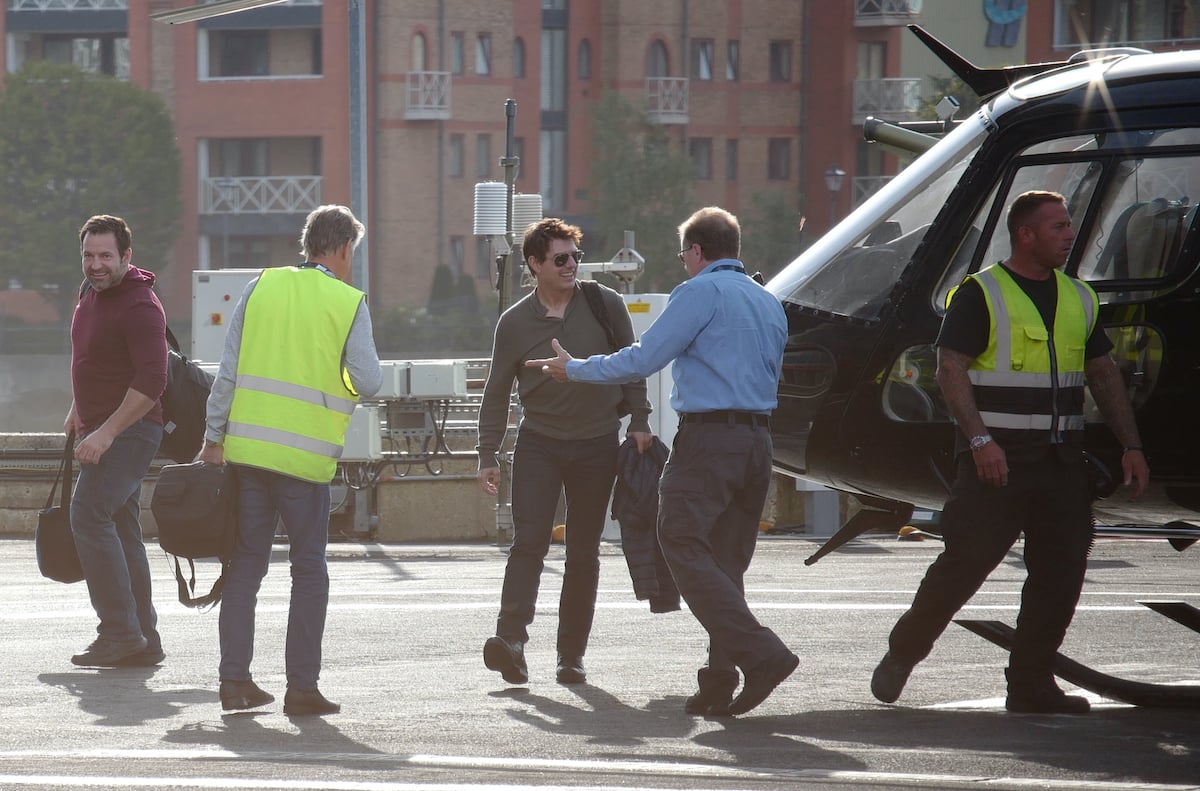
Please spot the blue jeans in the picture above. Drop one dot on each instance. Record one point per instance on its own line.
(542, 468)
(104, 518)
(264, 497)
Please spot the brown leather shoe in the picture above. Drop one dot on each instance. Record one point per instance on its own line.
(241, 695)
(301, 702)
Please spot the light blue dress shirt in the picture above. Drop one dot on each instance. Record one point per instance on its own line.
(725, 333)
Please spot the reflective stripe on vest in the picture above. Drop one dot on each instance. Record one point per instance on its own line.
(1029, 378)
(291, 404)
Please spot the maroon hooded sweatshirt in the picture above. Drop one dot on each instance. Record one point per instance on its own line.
(118, 341)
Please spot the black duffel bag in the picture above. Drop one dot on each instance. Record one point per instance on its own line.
(195, 508)
(57, 557)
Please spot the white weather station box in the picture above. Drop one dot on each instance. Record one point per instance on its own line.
(407, 384)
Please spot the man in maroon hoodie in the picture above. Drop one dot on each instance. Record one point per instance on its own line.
(118, 373)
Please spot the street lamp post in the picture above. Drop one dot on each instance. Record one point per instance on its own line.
(833, 182)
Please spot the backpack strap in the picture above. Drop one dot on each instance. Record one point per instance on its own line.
(595, 301)
(187, 587)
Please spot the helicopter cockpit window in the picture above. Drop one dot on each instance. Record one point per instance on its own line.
(1075, 179)
(1142, 221)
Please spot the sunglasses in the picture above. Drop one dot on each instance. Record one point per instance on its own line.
(560, 260)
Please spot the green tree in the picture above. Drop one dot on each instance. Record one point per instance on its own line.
(771, 236)
(640, 183)
(72, 145)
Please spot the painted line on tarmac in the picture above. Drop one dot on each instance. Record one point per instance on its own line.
(670, 774)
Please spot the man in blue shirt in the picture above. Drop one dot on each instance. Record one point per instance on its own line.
(725, 334)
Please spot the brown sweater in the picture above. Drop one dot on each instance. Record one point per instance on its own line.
(562, 410)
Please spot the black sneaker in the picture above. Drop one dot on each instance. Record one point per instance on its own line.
(889, 678)
(507, 659)
(1046, 701)
(147, 657)
(108, 653)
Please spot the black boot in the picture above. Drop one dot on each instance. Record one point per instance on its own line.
(715, 693)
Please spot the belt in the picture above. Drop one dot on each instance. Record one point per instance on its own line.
(728, 416)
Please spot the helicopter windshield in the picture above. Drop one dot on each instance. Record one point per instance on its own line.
(851, 269)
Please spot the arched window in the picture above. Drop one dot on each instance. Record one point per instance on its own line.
(657, 62)
(418, 52)
(518, 57)
(583, 66)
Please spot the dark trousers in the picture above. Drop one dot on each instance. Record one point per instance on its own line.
(1049, 501)
(711, 498)
(543, 468)
(265, 498)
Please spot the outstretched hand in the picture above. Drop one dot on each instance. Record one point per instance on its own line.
(555, 366)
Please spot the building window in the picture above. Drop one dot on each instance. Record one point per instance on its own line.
(457, 255)
(483, 258)
(732, 57)
(418, 52)
(554, 70)
(781, 61)
(779, 159)
(731, 160)
(518, 57)
(457, 53)
(454, 158)
(108, 55)
(657, 62)
(1106, 23)
(239, 53)
(483, 54)
(702, 59)
(583, 60)
(552, 169)
(700, 150)
(483, 156)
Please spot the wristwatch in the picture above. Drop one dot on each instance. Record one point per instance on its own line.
(979, 441)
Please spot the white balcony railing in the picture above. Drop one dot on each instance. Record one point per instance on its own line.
(68, 5)
(890, 98)
(864, 187)
(260, 194)
(881, 13)
(427, 96)
(667, 100)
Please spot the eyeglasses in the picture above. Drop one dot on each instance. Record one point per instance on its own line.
(560, 260)
(684, 252)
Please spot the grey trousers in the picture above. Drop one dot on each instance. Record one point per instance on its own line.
(710, 501)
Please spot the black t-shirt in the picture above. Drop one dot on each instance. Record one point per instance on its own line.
(965, 327)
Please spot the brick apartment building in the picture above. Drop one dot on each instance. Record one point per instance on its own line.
(764, 95)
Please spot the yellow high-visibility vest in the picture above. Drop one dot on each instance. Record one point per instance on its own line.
(1028, 377)
(293, 400)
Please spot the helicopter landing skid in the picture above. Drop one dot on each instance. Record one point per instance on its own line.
(1135, 693)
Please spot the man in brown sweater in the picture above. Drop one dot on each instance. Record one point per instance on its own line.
(567, 439)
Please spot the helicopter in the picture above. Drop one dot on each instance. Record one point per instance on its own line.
(1117, 132)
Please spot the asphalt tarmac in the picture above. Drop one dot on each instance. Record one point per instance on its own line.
(403, 656)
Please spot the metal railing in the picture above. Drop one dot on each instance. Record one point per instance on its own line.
(260, 194)
(879, 13)
(68, 5)
(890, 98)
(667, 100)
(427, 96)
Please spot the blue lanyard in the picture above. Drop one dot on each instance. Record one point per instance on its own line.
(723, 267)
(318, 267)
